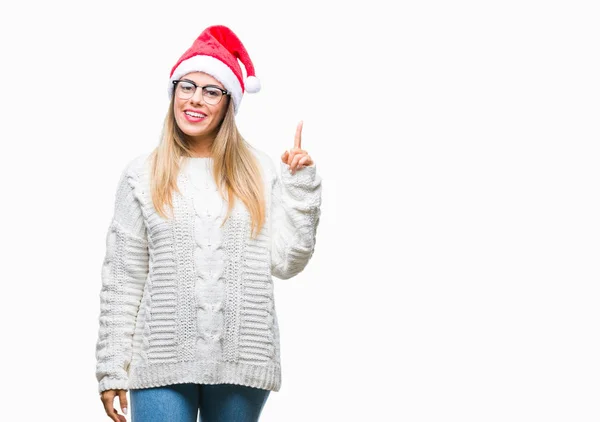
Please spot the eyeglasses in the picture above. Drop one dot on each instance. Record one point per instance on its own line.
(186, 89)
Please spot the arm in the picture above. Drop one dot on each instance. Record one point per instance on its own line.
(124, 272)
(295, 210)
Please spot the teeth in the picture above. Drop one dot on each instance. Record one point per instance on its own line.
(191, 113)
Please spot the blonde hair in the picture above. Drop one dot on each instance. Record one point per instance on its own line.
(235, 169)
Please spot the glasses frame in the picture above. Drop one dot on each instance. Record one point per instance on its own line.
(224, 91)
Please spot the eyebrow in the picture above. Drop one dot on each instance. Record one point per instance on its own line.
(213, 85)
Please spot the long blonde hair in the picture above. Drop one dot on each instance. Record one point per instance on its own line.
(235, 170)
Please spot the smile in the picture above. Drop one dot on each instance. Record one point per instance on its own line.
(193, 116)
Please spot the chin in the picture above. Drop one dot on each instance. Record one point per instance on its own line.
(191, 133)
(192, 129)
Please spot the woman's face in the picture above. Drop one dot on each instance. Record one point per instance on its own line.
(204, 128)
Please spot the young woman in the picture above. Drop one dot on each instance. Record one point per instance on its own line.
(201, 224)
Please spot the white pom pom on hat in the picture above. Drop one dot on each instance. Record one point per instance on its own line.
(216, 52)
(252, 84)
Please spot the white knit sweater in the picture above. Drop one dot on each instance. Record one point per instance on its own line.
(185, 301)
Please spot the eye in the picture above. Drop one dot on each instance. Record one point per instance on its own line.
(212, 92)
(186, 86)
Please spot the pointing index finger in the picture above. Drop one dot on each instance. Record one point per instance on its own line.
(298, 139)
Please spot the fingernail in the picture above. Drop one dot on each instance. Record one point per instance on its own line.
(125, 410)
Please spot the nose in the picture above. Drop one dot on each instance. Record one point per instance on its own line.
(198, 96)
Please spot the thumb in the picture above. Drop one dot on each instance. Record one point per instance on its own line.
(123, 400)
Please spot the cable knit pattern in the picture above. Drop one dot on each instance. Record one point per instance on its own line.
(124, 273)
(296, 212)
(185, 300)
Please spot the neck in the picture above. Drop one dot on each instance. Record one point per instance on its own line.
(201, 147)
(200, 154)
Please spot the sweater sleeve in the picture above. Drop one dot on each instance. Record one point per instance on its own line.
(124, 273)
(296, 210)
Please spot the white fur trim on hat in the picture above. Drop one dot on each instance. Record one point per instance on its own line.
(215, 68)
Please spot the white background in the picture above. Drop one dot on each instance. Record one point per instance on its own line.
(455, 276)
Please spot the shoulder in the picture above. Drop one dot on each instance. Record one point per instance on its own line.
(135, 170)
(137, 165)
(264, 160)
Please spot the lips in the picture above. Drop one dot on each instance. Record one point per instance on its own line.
(194, 116)
(194, 113)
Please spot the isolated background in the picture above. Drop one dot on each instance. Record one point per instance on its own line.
(455, 276)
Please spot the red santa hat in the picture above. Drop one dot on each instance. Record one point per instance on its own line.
(216, 52)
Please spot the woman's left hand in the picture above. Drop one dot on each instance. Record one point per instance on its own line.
(297, 158)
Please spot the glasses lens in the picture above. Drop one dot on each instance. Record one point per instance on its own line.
(185, 90)
(212, 95)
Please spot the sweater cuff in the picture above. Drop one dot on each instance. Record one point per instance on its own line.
(112, 384)
(304, 176)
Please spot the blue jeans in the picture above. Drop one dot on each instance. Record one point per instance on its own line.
(181, 402)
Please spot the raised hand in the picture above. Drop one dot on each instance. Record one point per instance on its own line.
(297, 158)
